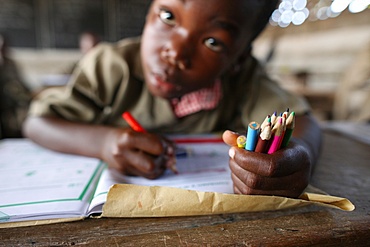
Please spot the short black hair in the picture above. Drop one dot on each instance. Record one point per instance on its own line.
(262, 10)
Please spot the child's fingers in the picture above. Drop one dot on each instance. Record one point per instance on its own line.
(281, 163)
(253, 162)
(248, 181)
(230, 137)
(241, 188)
(142, 164)
(146, 142)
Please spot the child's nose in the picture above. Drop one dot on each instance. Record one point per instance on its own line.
(176, 51)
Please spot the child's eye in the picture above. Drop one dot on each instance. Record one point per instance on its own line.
(214, 45)
(167, 17)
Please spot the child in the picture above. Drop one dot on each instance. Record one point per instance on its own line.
(15, 96)
(191, 72)
(87, 41)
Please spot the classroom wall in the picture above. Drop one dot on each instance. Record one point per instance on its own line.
(43, 34)
(57, 23)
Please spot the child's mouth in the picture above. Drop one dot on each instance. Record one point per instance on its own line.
(161, 83)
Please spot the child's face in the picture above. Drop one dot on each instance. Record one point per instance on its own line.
(188, 44)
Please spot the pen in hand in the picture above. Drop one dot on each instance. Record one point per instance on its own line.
(135, 125)
(132, 122)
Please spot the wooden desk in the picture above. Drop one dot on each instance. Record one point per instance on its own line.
(343, 170)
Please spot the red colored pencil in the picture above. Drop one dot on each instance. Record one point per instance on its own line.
(132, 122)
(264, 139)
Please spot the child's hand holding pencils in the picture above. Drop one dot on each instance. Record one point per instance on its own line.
(272, 168)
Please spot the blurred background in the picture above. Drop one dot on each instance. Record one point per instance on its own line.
(317, 48)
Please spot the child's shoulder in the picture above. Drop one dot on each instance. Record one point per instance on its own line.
(123, 46)
(122, 49)
(128, 43)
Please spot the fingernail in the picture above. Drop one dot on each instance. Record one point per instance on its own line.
(232, 153)
(169, 150)
(165, 147)
(232, 132)
(171, 164)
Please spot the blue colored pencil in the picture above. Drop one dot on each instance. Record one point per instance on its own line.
(252, 136)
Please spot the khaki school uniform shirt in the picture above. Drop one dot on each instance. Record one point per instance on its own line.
(109, 81)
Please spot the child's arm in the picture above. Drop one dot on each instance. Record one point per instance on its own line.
(129, 152)
(284, 173)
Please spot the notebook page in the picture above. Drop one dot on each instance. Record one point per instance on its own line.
(36, 183)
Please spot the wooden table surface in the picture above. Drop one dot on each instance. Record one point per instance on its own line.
(343, 170)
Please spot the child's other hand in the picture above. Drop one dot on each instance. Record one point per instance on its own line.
(284, 173)
(137, 153)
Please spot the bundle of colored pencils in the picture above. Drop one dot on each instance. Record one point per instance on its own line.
(274, 133)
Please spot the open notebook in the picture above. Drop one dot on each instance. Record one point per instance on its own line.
(38, 184)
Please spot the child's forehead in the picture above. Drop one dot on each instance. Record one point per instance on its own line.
(239, 10)
(237, 17)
